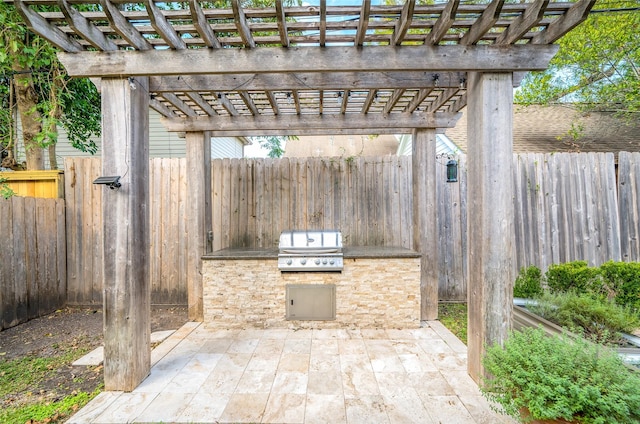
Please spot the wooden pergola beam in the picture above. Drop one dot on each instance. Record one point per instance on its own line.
(305, 122)
(305, 80)
(311, 131)
(454, 58)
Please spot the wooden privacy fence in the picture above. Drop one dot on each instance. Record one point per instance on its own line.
(168, 230)
(567, 207)
(33, 259)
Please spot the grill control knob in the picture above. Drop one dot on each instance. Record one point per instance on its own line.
(317, 261)
(332, 261)
(289, 261)
(324, 262)
(303, 261)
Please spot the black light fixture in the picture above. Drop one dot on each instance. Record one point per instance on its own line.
(452, 171)
(112, 182)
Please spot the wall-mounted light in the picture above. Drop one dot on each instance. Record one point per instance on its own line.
(436, 80)
(111, 182)
(452, 171)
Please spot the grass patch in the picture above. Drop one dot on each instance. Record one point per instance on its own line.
(44, 389)
(454, 317)
(21, 374)
(47, 412)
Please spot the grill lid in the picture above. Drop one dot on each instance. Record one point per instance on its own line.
(316, 241)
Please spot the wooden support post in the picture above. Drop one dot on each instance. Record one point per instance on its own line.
(125, 212)
(425, 229)
(199, 215)
(490, 213)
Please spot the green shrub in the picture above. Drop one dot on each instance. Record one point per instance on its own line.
(528, 284)
(558, 378)
(574, 276)
(623, 281)
(599, 319)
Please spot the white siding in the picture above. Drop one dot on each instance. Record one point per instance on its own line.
(226, 147)
(162, 144)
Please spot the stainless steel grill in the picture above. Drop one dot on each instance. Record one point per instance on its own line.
(310, 250)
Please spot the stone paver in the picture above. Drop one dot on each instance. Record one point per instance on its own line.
(306, 376)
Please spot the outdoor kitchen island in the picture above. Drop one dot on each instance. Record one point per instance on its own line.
(378, 287)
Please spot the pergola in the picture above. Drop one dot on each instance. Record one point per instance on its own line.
(295, 71)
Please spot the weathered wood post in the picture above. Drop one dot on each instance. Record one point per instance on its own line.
(425, 228)
(490, 213)
(198, 215)
(125, 212)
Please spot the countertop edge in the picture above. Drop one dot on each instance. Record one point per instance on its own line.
(349, 252)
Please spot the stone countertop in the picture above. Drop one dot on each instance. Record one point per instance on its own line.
(349, 252)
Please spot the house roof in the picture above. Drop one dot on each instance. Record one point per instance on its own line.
(562, 128)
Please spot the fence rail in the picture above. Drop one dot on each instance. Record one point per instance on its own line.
(33, 261)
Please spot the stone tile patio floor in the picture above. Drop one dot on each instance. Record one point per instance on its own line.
(202, 375)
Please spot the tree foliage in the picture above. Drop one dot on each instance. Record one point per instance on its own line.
(35, 84)
(597, 66)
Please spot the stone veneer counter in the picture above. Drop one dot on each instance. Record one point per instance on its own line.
(379, 287)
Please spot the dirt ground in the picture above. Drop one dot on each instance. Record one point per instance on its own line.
(68, 330)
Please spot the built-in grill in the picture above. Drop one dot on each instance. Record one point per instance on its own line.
(310, 250)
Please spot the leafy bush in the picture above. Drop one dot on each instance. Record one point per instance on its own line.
(623, 281)
(574, 276)
(557, 378)
(600, 320)
(528, 284)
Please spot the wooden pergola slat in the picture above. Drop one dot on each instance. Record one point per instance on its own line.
(40, 26)
(282, 24)
(519, 27)
(246, 98)
(123, 27)
(201, 102)
(202, 26)
(84, 28)
(486, 21)
(163, 27)
(161, 108)
(179, 104)
(577, 14)
(243, 26)
(403, 24)
(444, 22)
(363, 22)
(225, 103)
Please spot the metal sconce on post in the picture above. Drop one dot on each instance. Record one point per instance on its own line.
(452, 171)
